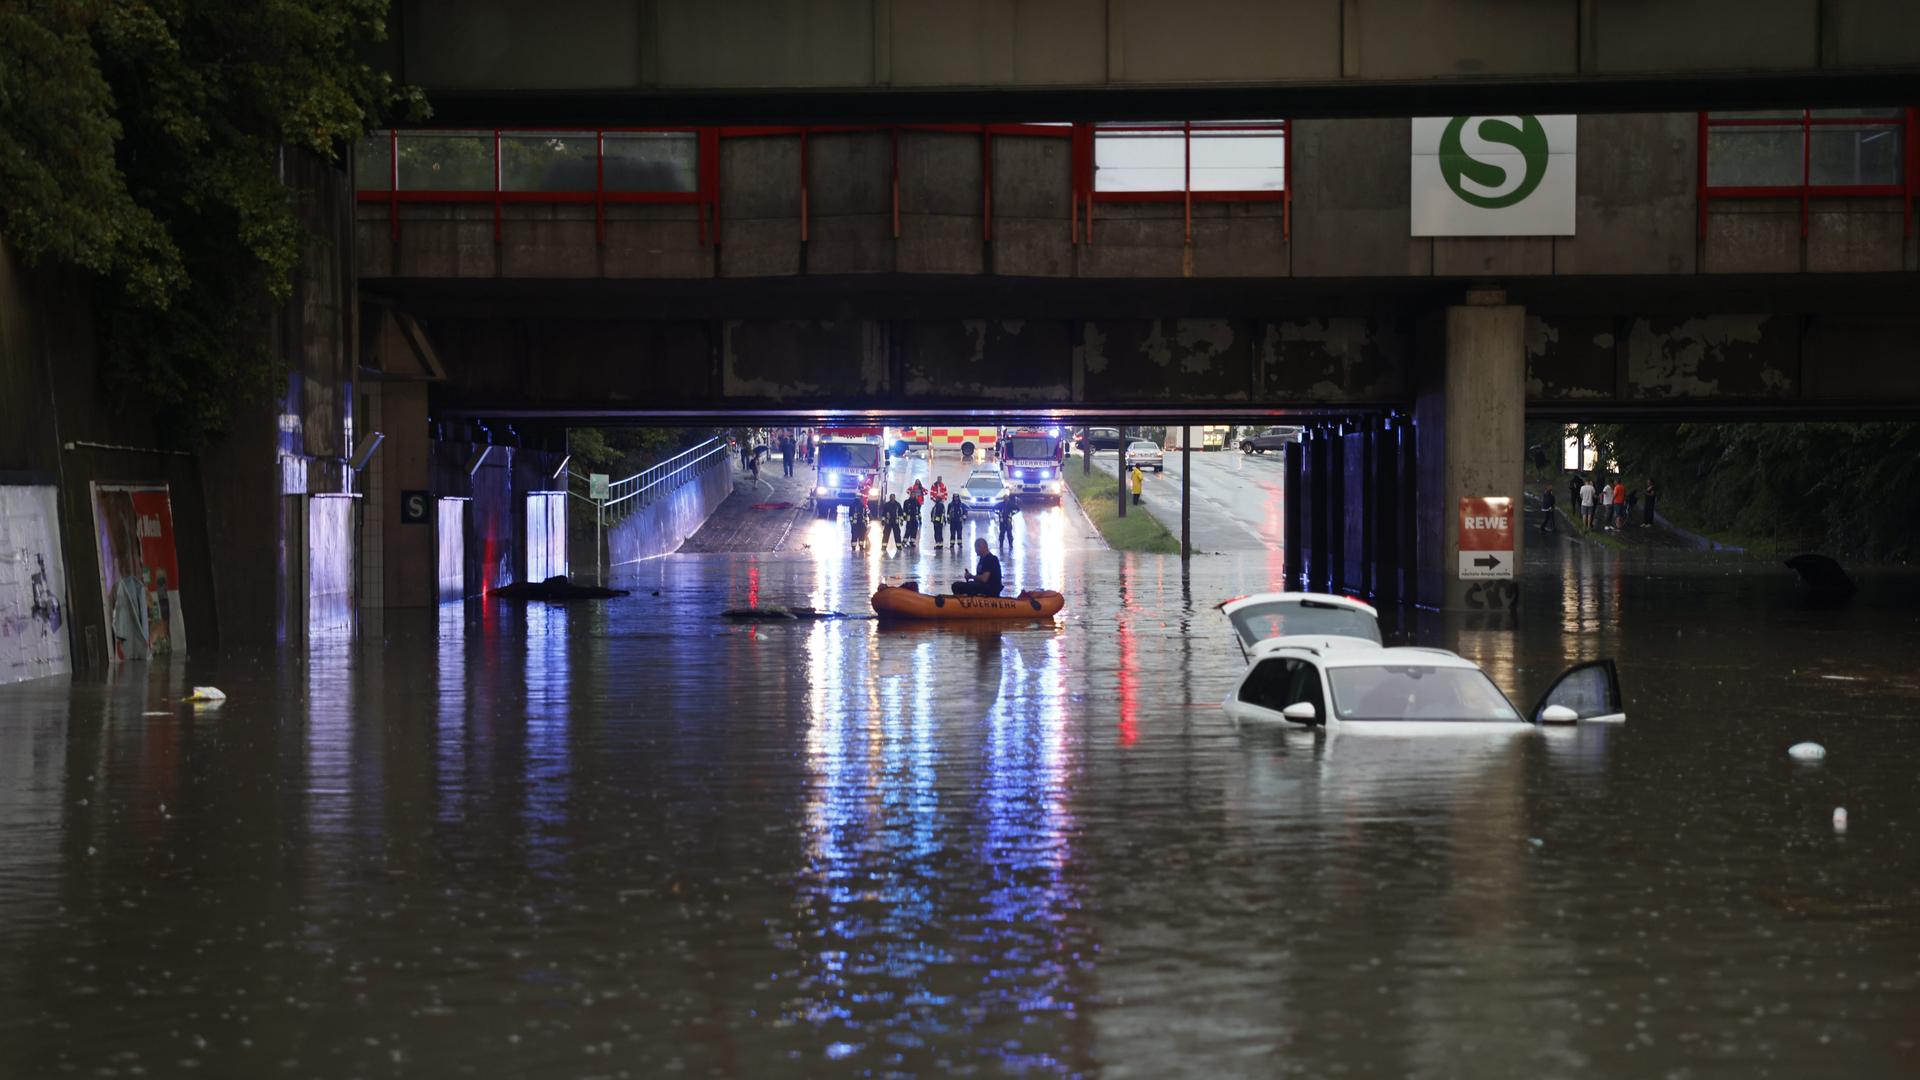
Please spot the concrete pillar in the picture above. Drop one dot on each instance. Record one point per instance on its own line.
(1357, 525)
(1334, 440)
(1470, 419)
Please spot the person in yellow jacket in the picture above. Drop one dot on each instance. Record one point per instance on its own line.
(1135, 478)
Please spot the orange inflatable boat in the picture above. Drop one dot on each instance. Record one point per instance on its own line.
(908, 602)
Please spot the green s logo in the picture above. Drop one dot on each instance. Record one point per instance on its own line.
(1485, 183)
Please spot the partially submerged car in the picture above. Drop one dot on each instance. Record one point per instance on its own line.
(1273, 618)
(1316, 660)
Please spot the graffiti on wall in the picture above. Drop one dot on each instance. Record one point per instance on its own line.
(33, 584)
(139, 570)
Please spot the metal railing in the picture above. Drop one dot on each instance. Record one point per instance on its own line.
(642, 488)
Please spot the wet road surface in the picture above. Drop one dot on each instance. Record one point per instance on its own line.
(1237, 498)
(633, 839)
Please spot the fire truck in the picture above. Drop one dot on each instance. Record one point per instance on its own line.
(1030, 462)
(845, 460)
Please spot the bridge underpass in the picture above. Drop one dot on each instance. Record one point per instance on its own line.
(939, 271)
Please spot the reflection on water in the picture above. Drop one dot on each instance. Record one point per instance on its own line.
(632, 837)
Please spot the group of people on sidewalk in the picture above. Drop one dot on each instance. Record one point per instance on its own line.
(1609, 506)
(900, 518)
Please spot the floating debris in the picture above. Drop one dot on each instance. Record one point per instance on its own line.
(1807, 751)
(204, 694)
(1839, 819)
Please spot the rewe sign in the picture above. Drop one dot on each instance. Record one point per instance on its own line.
(1493, 175)
(1486, 537)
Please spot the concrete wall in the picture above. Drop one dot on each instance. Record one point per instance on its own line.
(660, 527)
(59, 425)
(503, 45)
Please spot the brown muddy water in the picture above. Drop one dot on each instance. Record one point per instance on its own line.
(636, 840)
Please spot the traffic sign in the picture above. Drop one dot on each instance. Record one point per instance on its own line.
(597, 486)
(414, 507)
(1486, 537)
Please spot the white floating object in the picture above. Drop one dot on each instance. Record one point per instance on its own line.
(207, 693)
(1806, 751)
(1839, 819)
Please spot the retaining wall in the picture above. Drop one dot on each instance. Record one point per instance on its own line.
(663, 525)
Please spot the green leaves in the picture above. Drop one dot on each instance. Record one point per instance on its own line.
(141, 142)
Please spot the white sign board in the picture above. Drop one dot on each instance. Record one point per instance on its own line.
(1480, 565)
(598, 486)
(1493, 175)
(1486, 537)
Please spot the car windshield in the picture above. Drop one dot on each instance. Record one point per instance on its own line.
(849, 456)
(985, 483)
(1029, 447)
(1143, 447)
(1258, 622)
(1417, 692)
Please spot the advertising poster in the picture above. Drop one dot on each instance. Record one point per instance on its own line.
(33, 584)
(139, 572)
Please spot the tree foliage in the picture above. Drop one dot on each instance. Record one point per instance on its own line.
(1846, 489)
(141, 143)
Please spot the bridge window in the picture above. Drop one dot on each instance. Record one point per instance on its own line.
(1209, 156)
(1815, 148)
(1804, 154)
(549, 160)
(652, 161)
(446, 161)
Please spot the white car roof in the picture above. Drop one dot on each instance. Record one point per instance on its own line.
(1312, 643)
(983, 474)
(1237, 603)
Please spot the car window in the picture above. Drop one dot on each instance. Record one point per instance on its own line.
(1258, 622)
(1280, 681)
(1590, 690)
(1417, 692)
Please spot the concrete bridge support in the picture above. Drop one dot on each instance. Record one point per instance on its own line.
(1469, 423)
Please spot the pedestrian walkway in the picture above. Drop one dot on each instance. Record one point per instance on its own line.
(753, 517)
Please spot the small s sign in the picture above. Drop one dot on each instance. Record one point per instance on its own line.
(415, 507)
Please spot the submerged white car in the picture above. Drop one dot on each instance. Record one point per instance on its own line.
(1317, 661)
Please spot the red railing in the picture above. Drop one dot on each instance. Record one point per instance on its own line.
(705, 197)
(1900, 121)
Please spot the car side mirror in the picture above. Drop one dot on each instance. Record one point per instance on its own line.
(1300, 712)
(1558, 714)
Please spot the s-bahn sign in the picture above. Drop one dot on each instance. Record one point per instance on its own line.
(1493, 175)
(1486, 537)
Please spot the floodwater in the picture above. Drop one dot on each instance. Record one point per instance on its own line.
(633, 839)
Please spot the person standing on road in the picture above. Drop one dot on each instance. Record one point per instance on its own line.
(939, 489)
(857, 513)
(1009, 506)
(1547, 514)
(786, 453)
(1646, 522)
(985, 579)
(1574, 480)
(939, 516)
(890, 522)
(910, 516)
(1587, 495)
(1135, 478)
(956, 521)
(1619, 504)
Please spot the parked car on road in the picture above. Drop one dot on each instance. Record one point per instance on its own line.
(1273, 438)
(1146, 455)
(1094, 440)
